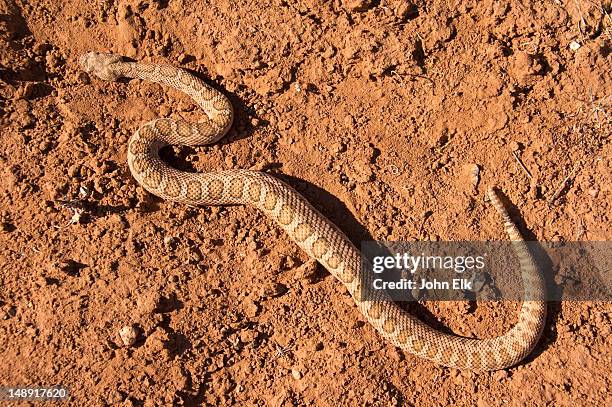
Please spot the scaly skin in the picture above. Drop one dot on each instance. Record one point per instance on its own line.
(310, 230)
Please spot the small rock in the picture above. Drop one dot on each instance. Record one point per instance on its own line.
(500, 375)
(247, 336)
(84, 78)
(147, 303)
(405, 10)
(251, 308)
(289, 263)
(128, 335)
(514, 146)
(574, 46)
(338, 148)
(84, 192)
(307, 271)
(274, 289)
(11, 312)
(361, 172)
(443, 138)
(170, 242)
(195, 256)
(525, 68)
(183, 58)
(230, 161)
(53, 61)
(165, 110)
(297, 375)
(31, 332)
(349, 121)
(114, 397)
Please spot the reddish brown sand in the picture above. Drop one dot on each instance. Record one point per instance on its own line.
(375, 111)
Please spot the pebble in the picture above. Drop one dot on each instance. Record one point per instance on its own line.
(274, 289)
(148, 302)
(307, 271)
(128, 335)
(297, 375)
(251, 308)
(574, 46)
(114, 397)
(500, 375)
(31, 332)
(404, 10)
(11, 312)
(362, 172)
(183, 58)
(247, 336)
(53, 61)
(514, 146)
(338, 148)
(165, 110)
(289, 263)
(84, 78)
(169, 242)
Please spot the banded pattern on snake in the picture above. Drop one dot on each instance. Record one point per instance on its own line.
(310, 230)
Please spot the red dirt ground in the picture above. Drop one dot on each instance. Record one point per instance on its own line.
(375, 111)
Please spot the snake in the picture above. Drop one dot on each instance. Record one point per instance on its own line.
(306, 226)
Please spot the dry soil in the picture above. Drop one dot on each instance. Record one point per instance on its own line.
(376, 111)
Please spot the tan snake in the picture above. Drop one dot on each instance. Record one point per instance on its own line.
(314, 233)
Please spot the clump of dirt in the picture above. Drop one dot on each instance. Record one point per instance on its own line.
(377, 111)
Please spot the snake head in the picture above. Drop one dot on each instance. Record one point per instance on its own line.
(101, 64)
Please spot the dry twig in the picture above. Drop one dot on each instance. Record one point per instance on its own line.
(518, 160)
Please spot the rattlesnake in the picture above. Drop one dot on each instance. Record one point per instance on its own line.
(314, 233)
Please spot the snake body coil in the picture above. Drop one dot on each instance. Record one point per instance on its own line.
(314, 233)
